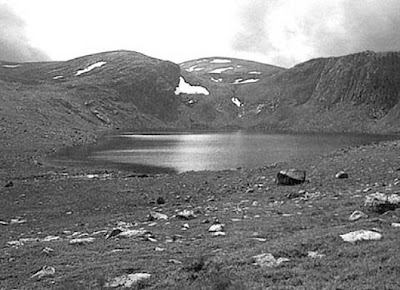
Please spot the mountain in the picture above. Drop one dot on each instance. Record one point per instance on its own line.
(70, 102)
(357, 92)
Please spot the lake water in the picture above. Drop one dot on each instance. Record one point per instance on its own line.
(180, 152)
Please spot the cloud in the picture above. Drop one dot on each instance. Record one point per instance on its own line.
(287, 32)
(14, 45)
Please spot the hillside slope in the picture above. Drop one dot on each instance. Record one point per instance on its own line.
(358, 92)
(88, 94)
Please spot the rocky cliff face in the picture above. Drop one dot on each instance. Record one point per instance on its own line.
(358, 92)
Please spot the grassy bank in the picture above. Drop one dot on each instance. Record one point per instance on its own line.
(45, 208)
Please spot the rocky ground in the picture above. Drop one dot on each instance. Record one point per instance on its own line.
(79, 227)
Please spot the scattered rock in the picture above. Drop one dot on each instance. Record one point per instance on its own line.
(174, 261)
(15, 243)
(291, 177)
(185, 227)
(361, 235)
(113, 233)
(217, 234)
(341, 175)
(17, 220)
(132, 233)
(315, 255)
(81, 241)
(47, 250)
(127, 280)
(260, 239)
(186, 214)
(381, 202)
(268, 260)
(9, 184)
(356, 215)
(160, 200)
(300, 193)
(50, 239)
(153, 216)
(45, 272)
(216, 228)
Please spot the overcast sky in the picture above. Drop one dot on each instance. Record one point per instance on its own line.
(279, 32)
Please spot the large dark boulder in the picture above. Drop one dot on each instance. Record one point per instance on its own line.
(291, 177)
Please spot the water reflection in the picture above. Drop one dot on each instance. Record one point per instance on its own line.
(218, 151)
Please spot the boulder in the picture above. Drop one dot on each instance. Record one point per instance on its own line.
(382, 202)
(291, 177)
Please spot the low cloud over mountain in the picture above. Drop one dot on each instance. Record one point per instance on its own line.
(317, 28)
(14, 45)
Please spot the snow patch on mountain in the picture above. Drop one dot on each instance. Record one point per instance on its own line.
(194, 68)
(237, 102)
(11, 65)
(90, 67)
(216, 80)
(218, 60)
(186, 88)
(220, 70)
(248, 81)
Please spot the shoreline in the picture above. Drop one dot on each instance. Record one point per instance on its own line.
(55, 204)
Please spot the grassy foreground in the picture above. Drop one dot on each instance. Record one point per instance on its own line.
(44, 208)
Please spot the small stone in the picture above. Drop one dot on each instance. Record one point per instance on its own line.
(3, 223)
(186, 214)
(356, 215)
(341, 175)
(113, 233)
(158, 249)
(260, 239)
(160, 200)
(132, 233)
(361, 235)
(268, 260)
(216, 228)
(17, 220)
(47, 250)
(216, 234)
(50, 239)
(81, 241)
(396, 225)
(315, 255)
(9, 184)
(249, 190)
(46, 271)
(174, 261)
(127, 280)
(152, 216)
